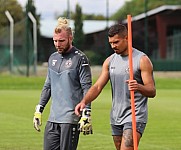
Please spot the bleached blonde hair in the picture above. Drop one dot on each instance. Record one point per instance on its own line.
(63, 24)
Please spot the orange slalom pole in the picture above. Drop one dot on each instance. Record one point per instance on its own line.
(131, 78)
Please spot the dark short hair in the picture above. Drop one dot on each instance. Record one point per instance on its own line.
(119, 29)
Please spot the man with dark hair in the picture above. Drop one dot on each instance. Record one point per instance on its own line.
(116, 69)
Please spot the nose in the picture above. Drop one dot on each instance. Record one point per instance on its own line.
(113, 45)
(58, 43)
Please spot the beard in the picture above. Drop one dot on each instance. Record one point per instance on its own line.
(122, 51)
(62, 50)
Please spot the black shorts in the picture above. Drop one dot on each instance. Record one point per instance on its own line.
(118, 129)
(60, 136)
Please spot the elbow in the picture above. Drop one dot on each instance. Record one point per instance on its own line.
(153, 94)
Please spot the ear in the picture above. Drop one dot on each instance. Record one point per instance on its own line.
(126, 37)
(71, 38)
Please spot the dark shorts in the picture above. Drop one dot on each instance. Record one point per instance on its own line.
(118, 129)
(60, 136)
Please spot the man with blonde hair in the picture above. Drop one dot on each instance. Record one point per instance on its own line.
(68, 80)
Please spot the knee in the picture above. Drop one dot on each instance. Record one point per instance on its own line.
(117, 142)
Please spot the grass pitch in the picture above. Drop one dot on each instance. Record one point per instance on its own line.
(19, 95)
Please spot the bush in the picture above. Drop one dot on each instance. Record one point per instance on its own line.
(94, 58)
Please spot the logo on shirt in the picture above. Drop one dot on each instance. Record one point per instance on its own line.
(54, 62)
(127, 70)
(112, 69)
(68, 63)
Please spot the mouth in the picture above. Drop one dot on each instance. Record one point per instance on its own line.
(116, 50)
(59, 48)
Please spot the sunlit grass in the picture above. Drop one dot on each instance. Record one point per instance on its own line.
(20, 95)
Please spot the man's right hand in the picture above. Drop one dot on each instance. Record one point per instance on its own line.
(85, 123)
(37, 119)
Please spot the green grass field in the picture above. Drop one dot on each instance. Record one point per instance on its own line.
(19, 95)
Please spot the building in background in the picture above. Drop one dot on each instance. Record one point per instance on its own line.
(164, 36)
(163, 41)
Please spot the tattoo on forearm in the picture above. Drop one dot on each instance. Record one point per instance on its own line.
(128, 138)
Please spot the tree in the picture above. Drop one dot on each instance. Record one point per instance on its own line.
(136, 7)
(15, 10)
(78, 23)
(93, 17)
(30, 7)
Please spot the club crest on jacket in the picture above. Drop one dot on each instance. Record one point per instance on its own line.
(68, 63)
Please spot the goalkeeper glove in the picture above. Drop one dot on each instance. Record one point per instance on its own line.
(37, 121)
(85, 125)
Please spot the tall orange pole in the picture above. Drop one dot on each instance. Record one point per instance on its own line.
(131, 78)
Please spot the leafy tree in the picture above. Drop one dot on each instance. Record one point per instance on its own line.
(136, 7)
(15, 10)
(30, 7)
(93, 17)
(78, 23)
